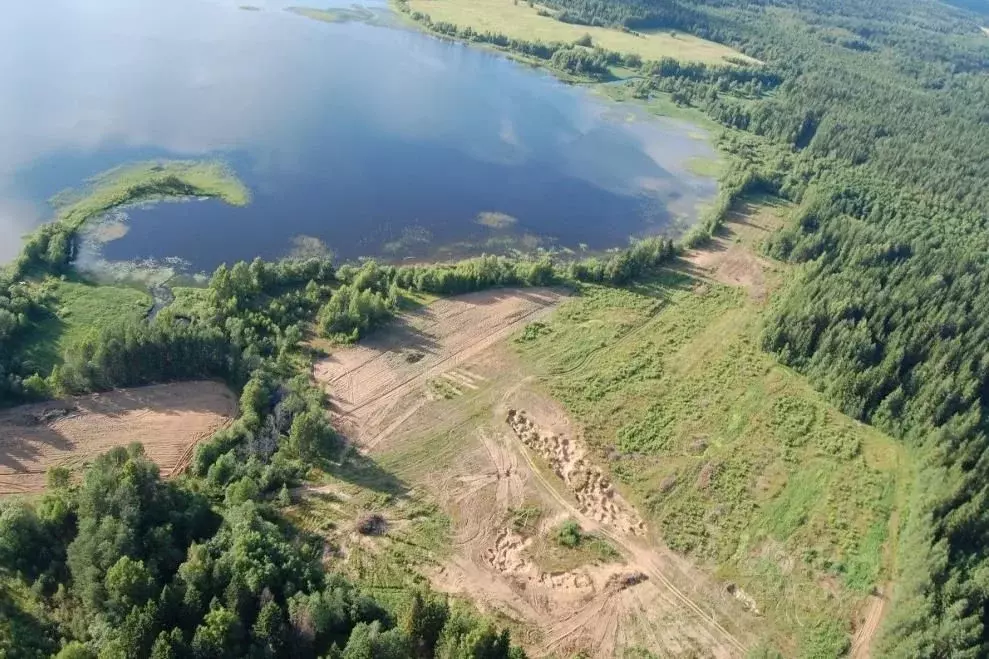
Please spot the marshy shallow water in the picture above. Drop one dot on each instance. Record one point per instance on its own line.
(373, 140)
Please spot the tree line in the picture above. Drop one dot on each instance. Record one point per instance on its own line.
(127, 565)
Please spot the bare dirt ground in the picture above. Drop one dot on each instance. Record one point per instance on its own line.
(367, 382)
(451, 411)
(730, 257)
(867, 625)
(168, 419)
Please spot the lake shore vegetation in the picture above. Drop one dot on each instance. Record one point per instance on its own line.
(45, 307)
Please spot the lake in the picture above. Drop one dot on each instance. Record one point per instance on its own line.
(371, 140)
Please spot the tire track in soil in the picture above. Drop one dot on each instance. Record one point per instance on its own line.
(382, 402)
(509, 479)
(437, 369)
(640, 558)
(864, 635)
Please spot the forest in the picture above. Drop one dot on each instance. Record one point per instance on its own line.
(125, 564)
(872, 115)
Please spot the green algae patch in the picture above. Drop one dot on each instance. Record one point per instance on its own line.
(356, 14)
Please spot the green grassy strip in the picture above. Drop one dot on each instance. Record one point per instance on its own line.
(147, 181)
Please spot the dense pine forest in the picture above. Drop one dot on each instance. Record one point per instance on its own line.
(874, 115)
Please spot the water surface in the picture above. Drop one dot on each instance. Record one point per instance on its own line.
(375, 140)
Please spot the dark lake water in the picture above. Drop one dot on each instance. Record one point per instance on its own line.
(376, 140)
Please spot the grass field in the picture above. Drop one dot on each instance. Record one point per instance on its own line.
(79, 309)
(734, 460)
(415, 532)
(520, 21)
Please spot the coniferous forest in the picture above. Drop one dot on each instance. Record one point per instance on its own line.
(872, 116)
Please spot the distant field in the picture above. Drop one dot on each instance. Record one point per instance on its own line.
(521, 21)
(734, 459)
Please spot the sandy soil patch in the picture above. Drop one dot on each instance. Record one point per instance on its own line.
(867, 623)
(168, 419)
(367, 382)
(649, 599)
(731, 257)
(432, 397)
(595, 496)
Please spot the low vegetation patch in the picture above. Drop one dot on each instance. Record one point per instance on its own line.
(75, 310)
(495, 220)
(567, 546)
(148, 181)
(736, 461)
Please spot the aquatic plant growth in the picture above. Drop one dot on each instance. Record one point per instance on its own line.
(336, 14)
(41, 317)
(496, 220)
(246, 328)
(49, 248)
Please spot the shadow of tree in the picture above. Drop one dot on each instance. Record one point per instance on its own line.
(358, 469)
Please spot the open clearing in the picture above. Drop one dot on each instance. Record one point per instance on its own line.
(80, 309)
(462, 441)
(730, 259)
(734, 460)
(521, 21)
(723, 506)
(168, 419)
(422, 356)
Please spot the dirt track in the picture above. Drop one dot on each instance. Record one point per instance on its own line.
(366, 382)
(871, 617)
(168, 419)
(445, 373)
(732, 256)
